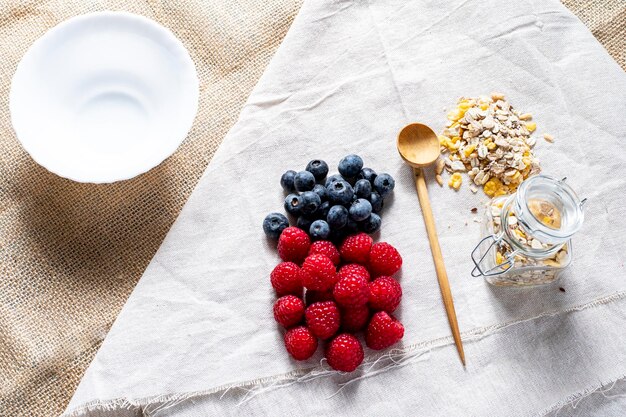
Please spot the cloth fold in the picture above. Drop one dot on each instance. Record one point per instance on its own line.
(197, 336)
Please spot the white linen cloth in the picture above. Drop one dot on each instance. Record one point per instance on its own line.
(197, 336)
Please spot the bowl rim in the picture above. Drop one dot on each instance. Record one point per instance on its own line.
(189, 109)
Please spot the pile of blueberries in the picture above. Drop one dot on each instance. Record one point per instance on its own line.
(330, 208)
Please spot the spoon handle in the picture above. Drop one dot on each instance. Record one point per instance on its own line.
(442, 276)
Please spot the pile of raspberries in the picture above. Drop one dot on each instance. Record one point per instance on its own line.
(345, 290)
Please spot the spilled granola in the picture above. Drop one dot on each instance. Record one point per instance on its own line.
(491, 141)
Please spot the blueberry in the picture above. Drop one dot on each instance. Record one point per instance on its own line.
(336, 236)
(350, 166)
(286, 181)
(319, 230)
(351, 227)
(318, 168)
(371, 224)
(310, 202)
(320, 190)
(304, 181)
(360, 210)
(367, 174)
(322, 212)
(293, 204)
(337, 217)
(363, 189)
(333, 178)
(377, 202)
(274, 224)
(340, 192)
(383, 184)
(304, 223)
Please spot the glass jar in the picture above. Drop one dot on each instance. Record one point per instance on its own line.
(527, 234)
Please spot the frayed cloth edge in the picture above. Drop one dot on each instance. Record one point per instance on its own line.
(404, 355)
(574, 399)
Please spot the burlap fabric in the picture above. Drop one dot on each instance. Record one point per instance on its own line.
(607, 21)
(70, 253)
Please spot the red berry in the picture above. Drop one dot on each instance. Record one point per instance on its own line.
(323, 319)
(351, 291)
(316, 296)
(288, 310)
(286, 278)
(353, 270)
(318, 273)
(385, 294)
(324, 247)
(384, 259)
(356, 248)
(300, 343)
(383, 331)
(344, 353)
(354, 319)
(293, 244)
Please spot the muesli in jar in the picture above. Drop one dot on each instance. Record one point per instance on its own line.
(529, 233)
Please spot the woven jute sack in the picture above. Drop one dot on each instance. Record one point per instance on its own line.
(607, 21)
(71, 253)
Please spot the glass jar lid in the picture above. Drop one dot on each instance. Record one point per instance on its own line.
(548, 209)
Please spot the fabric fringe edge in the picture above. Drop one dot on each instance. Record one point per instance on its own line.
(574, 399)
(372, 365)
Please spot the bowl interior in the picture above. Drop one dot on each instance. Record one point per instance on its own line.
(104, 97)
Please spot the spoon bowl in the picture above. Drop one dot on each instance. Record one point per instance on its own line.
(418, 145)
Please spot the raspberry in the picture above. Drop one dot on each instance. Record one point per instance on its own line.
(383, 331)
(323, 319)
(354, 319)
(316, 296)
(318, 273)
(384, 259)
(351, 291)
(385, 294)
(288, 310)
(286, 278)
(324, 247)
(356, 248)
(293, 244)
(300, 343)
(344, 353)
(353, 270)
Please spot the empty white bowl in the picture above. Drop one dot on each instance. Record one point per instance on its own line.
(104, 97)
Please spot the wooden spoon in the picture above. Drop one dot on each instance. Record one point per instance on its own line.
(419, 147)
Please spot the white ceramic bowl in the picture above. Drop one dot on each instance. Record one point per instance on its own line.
(104, 97)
